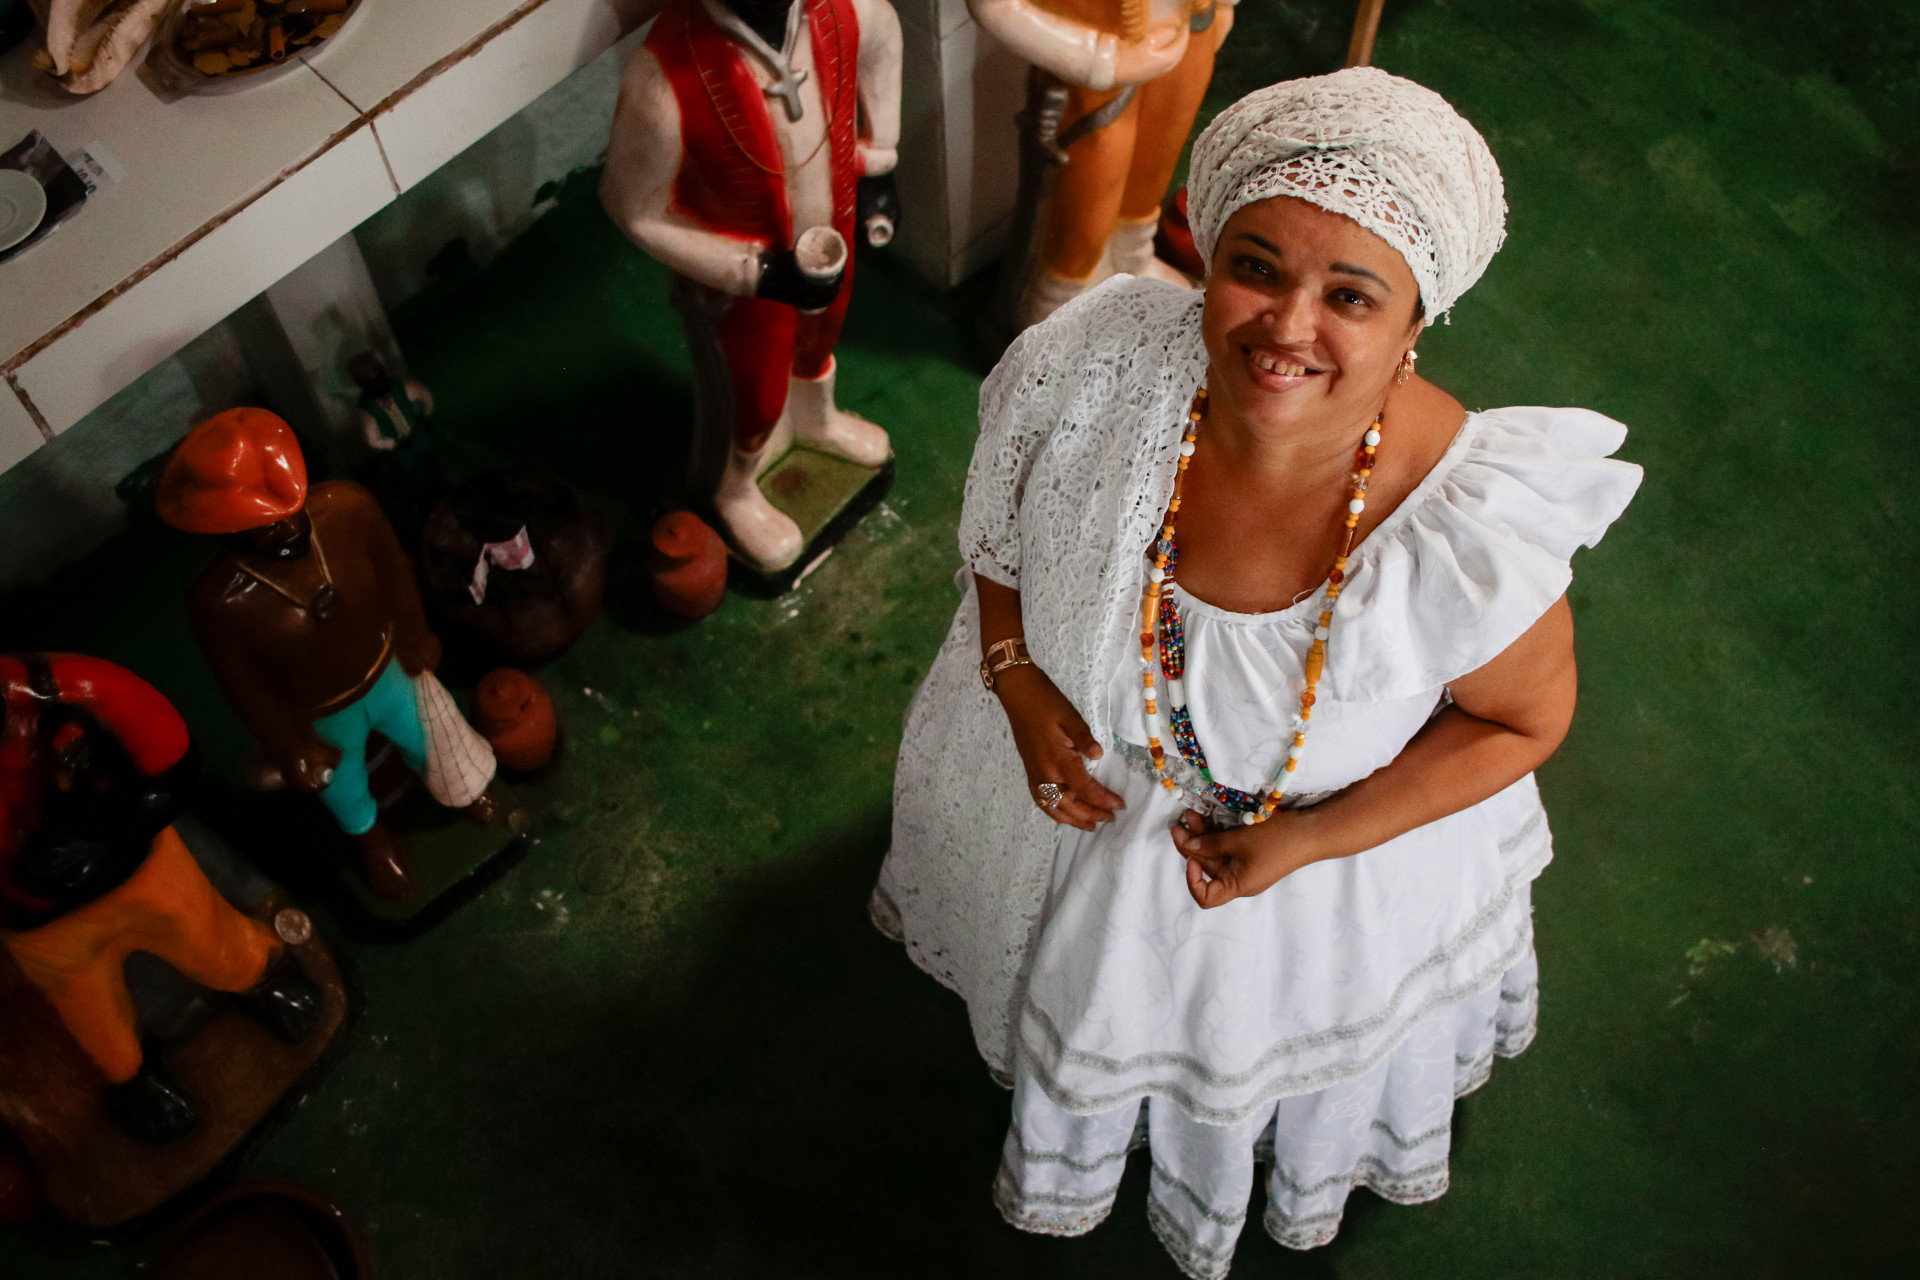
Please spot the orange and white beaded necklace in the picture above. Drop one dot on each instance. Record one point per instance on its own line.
(1162, 644)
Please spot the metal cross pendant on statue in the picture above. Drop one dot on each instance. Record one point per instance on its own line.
(787, 89)
(787, 86)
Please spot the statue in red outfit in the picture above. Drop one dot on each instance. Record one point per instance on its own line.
(753, 141)
(94, 766)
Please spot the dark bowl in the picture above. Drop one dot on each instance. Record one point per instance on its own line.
(262, 1229)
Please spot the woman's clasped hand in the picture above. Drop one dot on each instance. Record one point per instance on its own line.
(1055, 745)
(1051, 736)
(1239, 862)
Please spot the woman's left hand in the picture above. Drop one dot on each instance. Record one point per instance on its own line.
(1239, 862)
(1504, 720)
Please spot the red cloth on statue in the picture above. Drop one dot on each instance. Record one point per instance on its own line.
(140, 719)
(732, 179)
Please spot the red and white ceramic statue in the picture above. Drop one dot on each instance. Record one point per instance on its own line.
(753, 141)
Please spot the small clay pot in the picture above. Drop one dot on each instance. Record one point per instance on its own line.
(687, 564)
(515, 715)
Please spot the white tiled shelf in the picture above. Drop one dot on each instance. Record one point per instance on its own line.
(187, 163)
(225, 193)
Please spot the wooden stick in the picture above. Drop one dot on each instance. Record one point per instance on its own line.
(1366, 24)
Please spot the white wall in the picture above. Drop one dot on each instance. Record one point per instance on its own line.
(959, 148)
(485, 195)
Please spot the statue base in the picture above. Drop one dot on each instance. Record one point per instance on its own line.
(453, 859)
(242, 1079)
(826, 496)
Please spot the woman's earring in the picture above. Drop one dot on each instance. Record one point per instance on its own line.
(1406, 366)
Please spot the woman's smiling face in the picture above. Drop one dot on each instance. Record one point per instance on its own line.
(1307, 316)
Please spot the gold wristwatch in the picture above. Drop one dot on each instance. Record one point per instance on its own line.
(1003, 654)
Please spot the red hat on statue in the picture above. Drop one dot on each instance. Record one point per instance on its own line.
(238, 470)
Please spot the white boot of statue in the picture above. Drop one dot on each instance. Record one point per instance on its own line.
(1047, 293)
(818, 423)
(757, 529)
(1130, 251)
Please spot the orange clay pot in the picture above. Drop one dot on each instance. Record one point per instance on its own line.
(515, 715)
(688, 565)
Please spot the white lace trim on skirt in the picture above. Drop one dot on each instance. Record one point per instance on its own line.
(1389, 1129)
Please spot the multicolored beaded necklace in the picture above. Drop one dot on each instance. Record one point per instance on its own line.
(1160, 627)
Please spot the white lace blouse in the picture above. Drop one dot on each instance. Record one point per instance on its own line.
(1079, 429)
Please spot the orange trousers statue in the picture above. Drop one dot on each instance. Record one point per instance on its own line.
(95, 765)
(168, 908)
(1125, 79)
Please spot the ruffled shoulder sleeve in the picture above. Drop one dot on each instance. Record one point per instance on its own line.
(1093, 347)
(1478, 551)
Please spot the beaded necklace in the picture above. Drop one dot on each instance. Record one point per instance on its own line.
(1161, 629)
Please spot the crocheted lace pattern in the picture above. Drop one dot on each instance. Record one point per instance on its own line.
(1392, 155)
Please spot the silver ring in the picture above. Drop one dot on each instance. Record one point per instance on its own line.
(1052, 793)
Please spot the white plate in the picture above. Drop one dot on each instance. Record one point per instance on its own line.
(23, 202)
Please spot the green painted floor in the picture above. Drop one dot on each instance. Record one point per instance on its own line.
(669, 1044)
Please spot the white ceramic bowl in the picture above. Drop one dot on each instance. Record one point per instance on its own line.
(23, 202)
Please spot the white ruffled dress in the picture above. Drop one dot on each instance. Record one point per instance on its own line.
(1325, 1027)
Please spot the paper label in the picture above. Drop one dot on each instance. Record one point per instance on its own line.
(97, 166)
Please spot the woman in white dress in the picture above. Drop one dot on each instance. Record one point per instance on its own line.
(1228, 841)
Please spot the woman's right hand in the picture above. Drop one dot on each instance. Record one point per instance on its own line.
(1052, 740)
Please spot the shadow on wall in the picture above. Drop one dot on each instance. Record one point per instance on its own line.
(585, 372)
(488, 194)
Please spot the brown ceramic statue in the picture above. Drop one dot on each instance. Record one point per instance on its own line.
(314, 628)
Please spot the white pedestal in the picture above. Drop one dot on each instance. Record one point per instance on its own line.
(299, 334)
(959, 149)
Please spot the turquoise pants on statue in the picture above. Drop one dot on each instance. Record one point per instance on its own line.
(390, 708)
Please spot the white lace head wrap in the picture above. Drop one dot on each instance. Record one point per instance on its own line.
(1392, 155)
